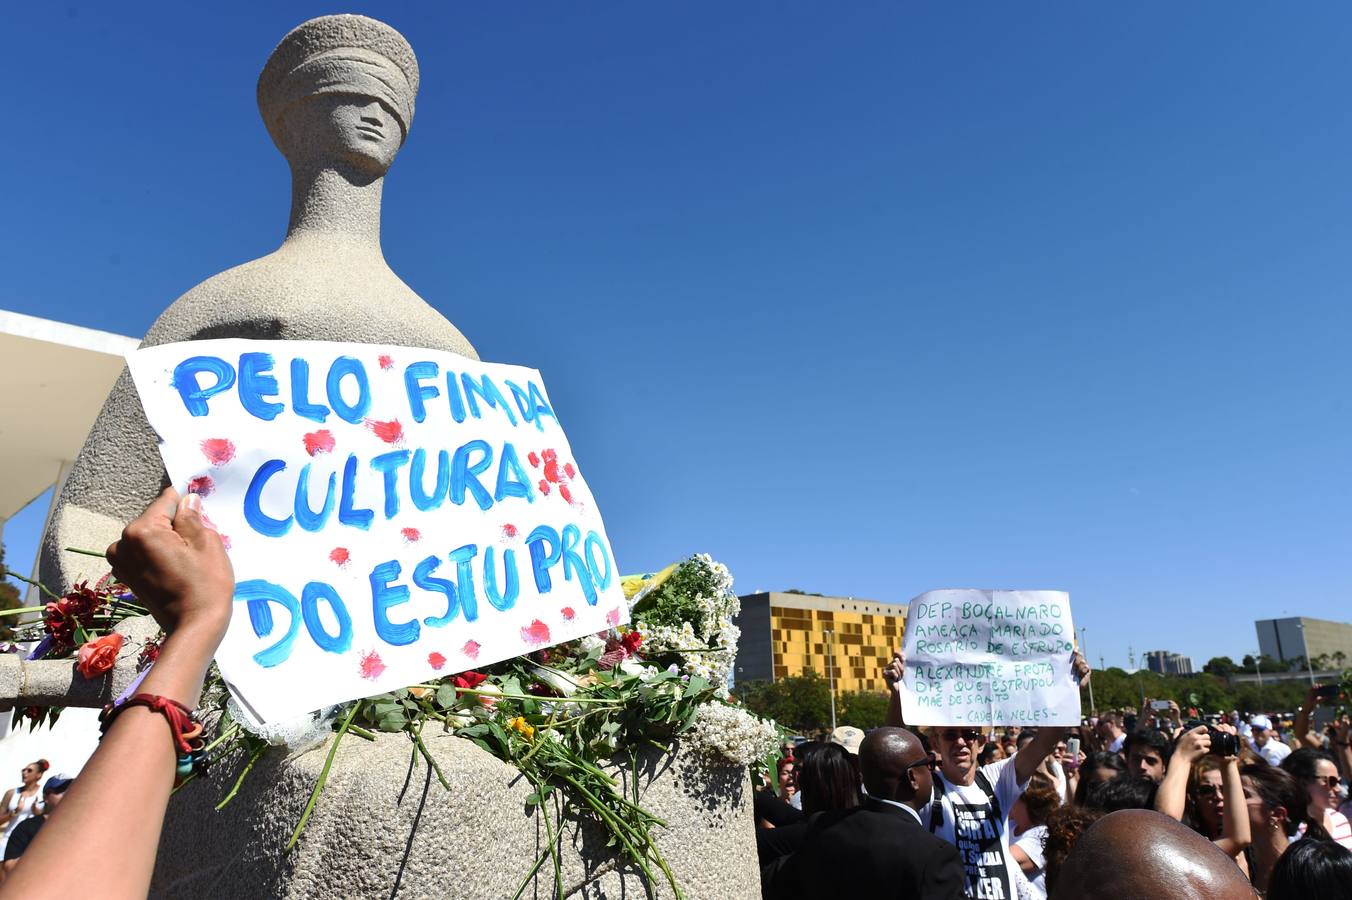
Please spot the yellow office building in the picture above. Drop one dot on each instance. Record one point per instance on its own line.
(785, 634)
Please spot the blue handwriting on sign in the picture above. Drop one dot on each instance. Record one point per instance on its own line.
(467, 396)
(460, 476)
(591, 568)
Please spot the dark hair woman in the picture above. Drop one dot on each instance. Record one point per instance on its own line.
(829, 779)
(1064, 827)
(1096, 769)
(1318, 774)
(1312, 868)
(1278, 807)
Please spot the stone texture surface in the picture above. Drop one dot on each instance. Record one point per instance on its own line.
(385, 827)
(328, 281)
(57, 682)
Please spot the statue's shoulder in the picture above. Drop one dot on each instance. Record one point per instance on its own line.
(287, 296)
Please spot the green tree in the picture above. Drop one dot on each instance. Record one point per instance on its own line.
(862, 709)
(799, 702)
(1222, 666)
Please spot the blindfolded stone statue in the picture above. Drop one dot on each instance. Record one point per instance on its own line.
(337, 96)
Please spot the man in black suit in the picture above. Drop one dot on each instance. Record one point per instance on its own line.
(880, 849)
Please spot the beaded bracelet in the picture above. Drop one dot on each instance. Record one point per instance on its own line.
(187, 734)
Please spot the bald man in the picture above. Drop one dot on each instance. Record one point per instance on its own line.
(880, 849)
(1141, 853)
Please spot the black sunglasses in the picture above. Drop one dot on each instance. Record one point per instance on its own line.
(931, 760)
(970, 736)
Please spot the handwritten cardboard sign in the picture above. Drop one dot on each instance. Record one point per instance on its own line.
(990, 658)
(393, 515)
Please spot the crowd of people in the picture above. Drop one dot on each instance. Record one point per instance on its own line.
(1136, 801)
(1130, 803)
(25, 808)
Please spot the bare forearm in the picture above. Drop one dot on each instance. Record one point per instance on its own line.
(1171, 799)
(1301, 728)
(136, 759)
(1235, 820)
(894, 709)
(1035, 751)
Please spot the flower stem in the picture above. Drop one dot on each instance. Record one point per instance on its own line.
(37, 584)
(85, 552)
(240, 780)
(504, 696)
(525, 882)
(224, 735)
(19, 612)
(323, 776)
(543, 806)
(417, 739)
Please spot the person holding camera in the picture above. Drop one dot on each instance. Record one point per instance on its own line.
(1205, 771)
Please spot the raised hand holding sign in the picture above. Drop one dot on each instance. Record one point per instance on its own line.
(974, 657)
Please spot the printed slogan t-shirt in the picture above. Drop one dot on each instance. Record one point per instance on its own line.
(969, 821)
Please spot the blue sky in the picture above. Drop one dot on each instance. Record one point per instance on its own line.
(862, 298)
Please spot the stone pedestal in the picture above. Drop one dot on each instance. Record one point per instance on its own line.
(385, 827)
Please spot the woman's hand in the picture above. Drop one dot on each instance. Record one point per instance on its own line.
(1193, 745)
(176, 565)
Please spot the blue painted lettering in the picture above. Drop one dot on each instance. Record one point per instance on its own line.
(300, 393)
(309, 607)
(258, 520)
(195, 396)
(342, 367)
(258, 593)
(385, 595)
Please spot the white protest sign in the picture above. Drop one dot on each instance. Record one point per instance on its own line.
(393, 515)
(990, 658)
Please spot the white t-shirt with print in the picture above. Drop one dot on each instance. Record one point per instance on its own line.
(983, 839)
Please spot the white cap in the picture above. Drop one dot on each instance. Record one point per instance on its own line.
(848, 737)
(1261, 722)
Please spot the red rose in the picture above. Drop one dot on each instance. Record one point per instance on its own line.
(631, 642)
(469, 680)
(97, 657)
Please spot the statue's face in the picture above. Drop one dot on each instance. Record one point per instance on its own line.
(348, 128)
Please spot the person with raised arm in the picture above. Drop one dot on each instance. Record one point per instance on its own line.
(177, 567)
(1220, 811)
(971, 804)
